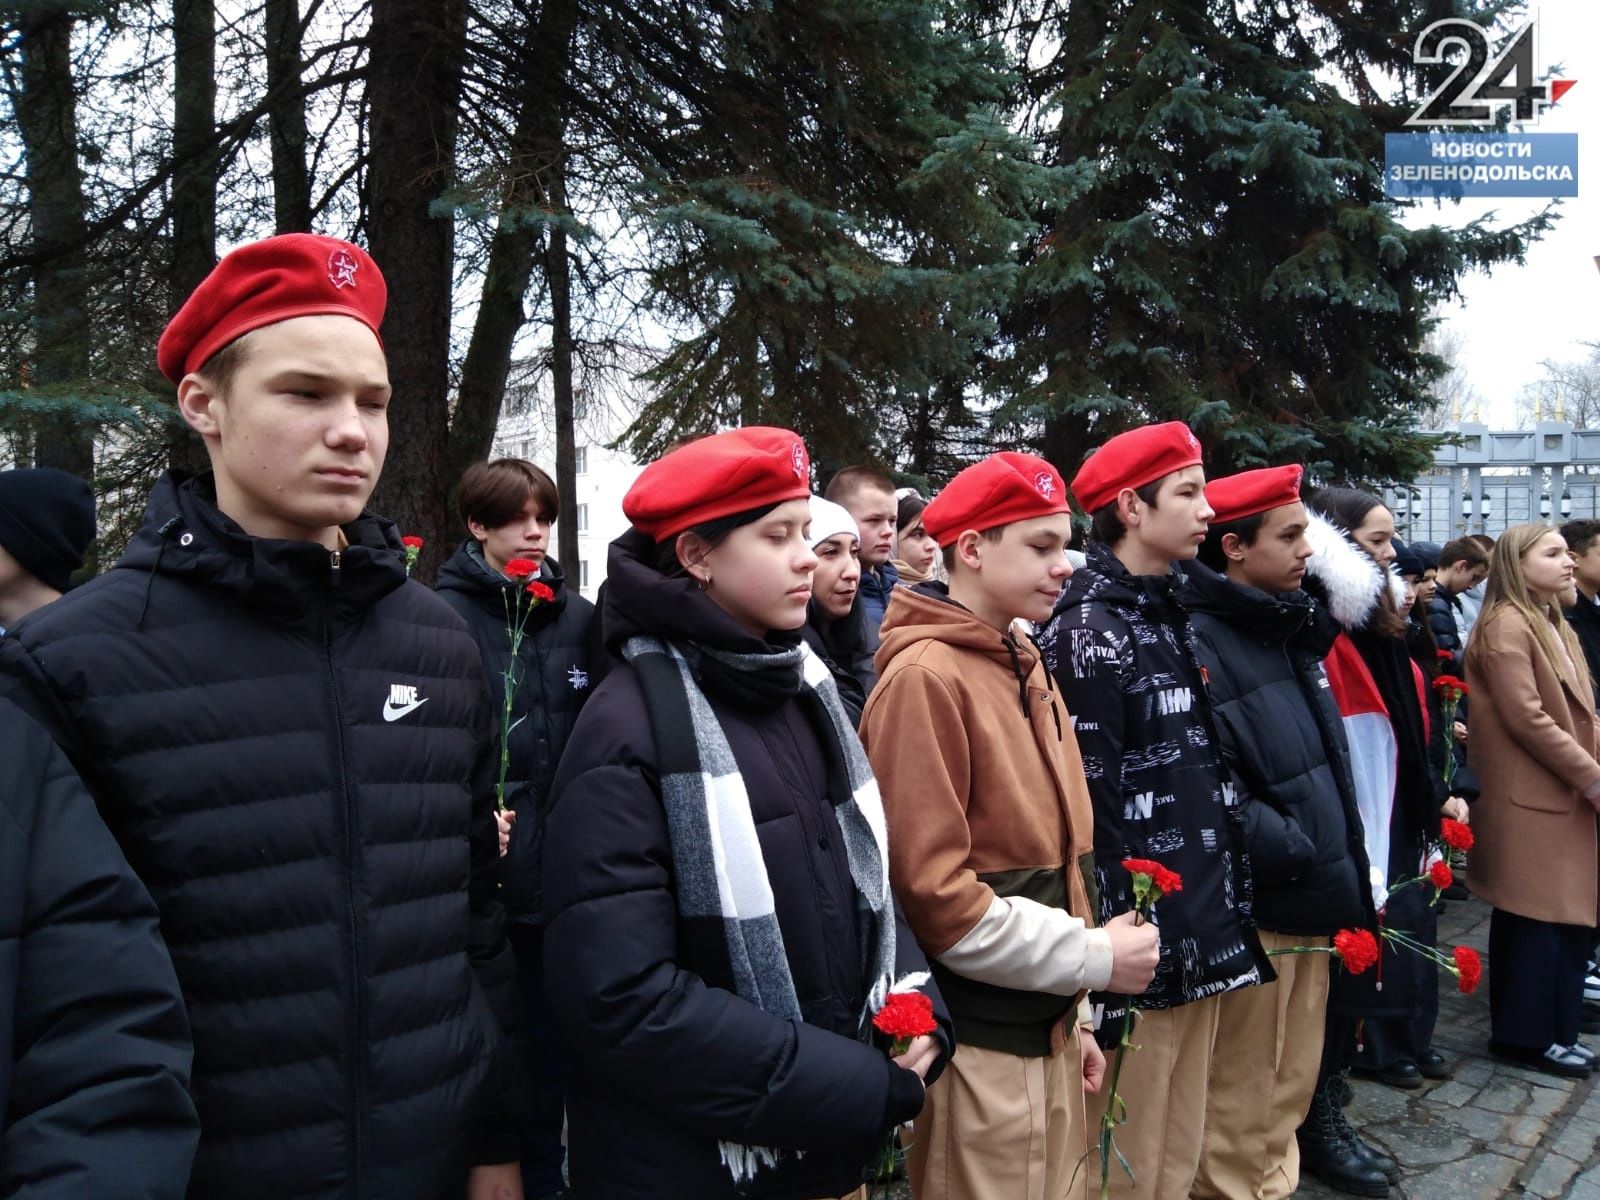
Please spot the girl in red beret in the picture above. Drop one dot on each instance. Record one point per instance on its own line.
(718, 923)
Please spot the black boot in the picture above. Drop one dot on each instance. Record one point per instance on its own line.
(1328, 1150)
(1375, 1156)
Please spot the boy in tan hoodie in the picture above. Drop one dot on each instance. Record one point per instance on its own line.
(989, 817)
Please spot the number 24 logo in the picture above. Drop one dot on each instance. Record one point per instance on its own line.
(1479, 87)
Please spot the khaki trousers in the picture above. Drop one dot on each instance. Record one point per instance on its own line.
(1164, 1086)
(999, 1126)
(1263, 1072)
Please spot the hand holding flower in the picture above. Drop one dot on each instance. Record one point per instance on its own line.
(919, 1056)
(1135, 953)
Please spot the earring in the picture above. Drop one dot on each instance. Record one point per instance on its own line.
(703, 584)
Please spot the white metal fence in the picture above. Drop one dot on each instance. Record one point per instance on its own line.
(1488, 481)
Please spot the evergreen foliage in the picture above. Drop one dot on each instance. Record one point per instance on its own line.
(1231, 259)
(915, 230)
(833, 224)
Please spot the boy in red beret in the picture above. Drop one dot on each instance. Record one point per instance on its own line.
(990, 833)
(1261, 641)
(1120, 647)
(291, 743)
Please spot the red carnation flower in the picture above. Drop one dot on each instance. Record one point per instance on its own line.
(1356, 948)
(1451, 687)
(1167, 880)
(905, 1015)
(1469, 968)
(1440, 875)
(411, 541)
(540, 592)
(1456, 835)
(520, 569)
(1445, 655)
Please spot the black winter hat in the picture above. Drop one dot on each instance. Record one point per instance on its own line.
(1406, 559)
(1428, 552)
(46, 522)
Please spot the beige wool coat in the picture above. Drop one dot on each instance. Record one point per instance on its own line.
(1532, 744)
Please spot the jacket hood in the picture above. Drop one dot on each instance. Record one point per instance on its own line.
(1269, 618)
(468, 572)
(1103, 579)
(641, 601)
(1346, 577)
(926, 612)
(186, 536)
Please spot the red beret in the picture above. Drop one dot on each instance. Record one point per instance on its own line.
(1252, 492)
(293, 275)
(1001, 490)
(718, 476)
(1133, 459)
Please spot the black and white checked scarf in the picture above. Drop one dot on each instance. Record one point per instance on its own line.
(716, 854)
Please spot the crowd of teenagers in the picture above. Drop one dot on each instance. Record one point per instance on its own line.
(318, 882)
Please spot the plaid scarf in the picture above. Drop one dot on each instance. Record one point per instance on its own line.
(716, 855)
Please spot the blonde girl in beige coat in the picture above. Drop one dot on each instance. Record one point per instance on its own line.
(1533, 748)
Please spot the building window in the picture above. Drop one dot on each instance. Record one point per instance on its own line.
(580, 461)
(583, 518)
(583, 574)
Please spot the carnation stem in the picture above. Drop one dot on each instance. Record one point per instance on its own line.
(514, 632)
(1109, 1122)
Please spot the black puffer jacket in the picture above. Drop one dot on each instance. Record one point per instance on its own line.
(1443, 610)
(1585, 619)
(1122, 651)
(94, 1043)
(1283, 739)
(293, 748)
(553, 682)
(666, 1059)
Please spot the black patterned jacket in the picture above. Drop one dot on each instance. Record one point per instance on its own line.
(1123, 653)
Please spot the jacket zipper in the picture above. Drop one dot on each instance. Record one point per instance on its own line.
(357, 1071)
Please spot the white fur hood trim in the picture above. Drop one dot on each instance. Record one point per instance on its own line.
(1349, 577)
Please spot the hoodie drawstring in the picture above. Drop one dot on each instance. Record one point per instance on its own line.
(1049, 686)
(163, 533)
(1016, 669)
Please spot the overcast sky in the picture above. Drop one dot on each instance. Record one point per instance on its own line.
(1514, 317)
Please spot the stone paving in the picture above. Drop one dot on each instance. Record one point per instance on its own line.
(1492, 1130)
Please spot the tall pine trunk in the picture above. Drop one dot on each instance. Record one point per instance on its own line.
(194, 180)
(286, 118)
(558, 269)
(1067, 435)
(534, 159)
(413, 90)
(48, 122)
